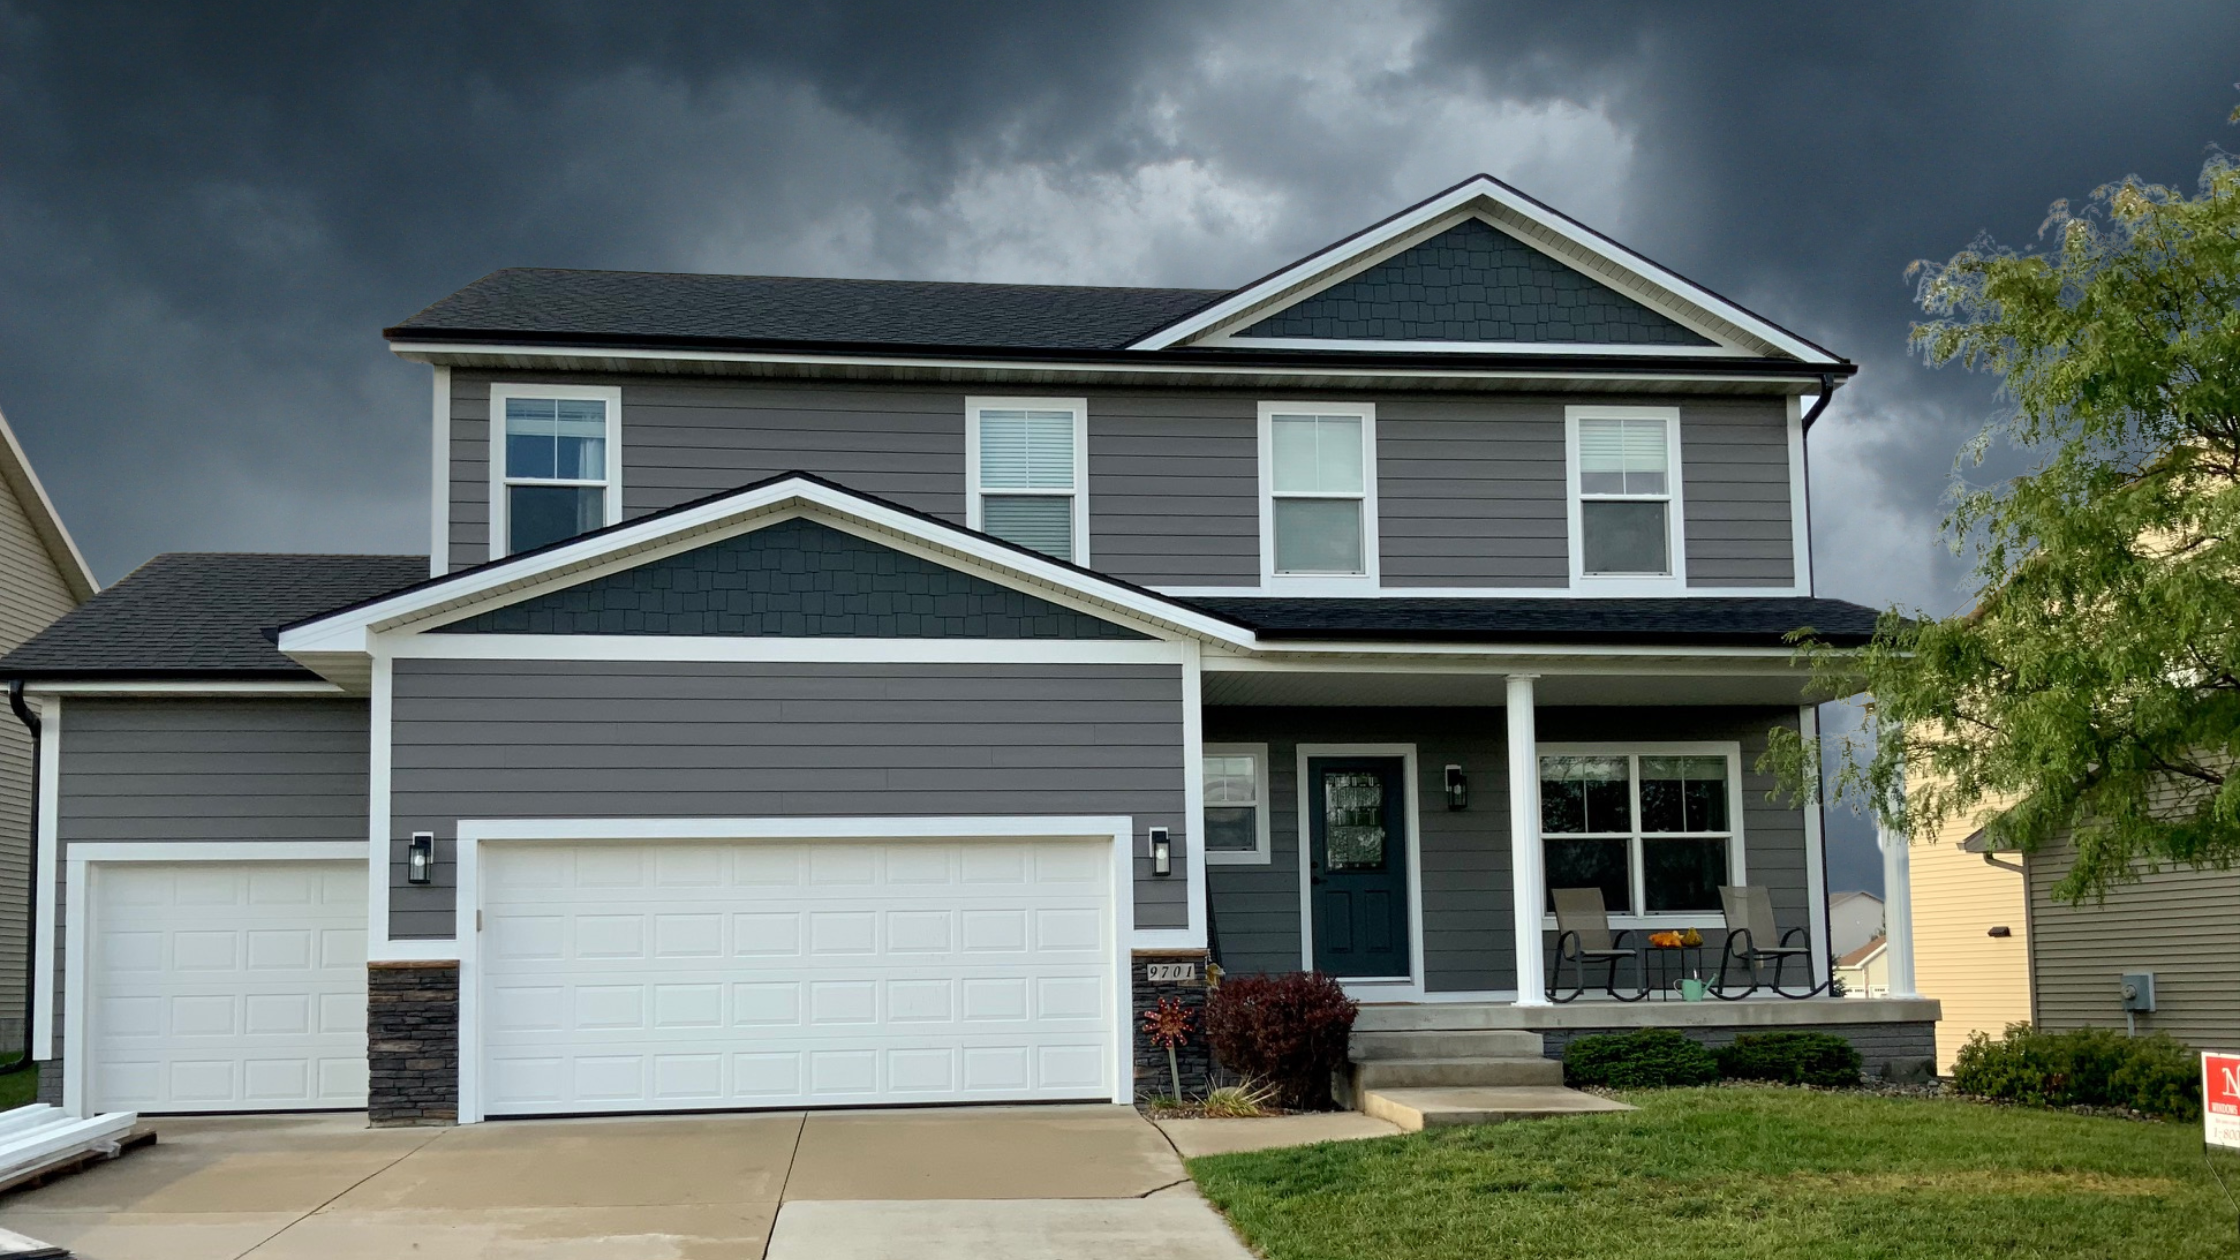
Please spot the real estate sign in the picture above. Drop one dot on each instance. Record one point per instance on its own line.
(2220, 1098)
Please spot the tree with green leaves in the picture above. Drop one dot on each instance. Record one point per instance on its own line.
(2092, 693)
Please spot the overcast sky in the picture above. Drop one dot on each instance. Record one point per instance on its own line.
(209, 211)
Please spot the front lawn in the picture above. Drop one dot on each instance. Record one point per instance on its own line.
(18, 1089)
(1728, 1173)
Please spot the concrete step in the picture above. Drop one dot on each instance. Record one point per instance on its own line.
(1433, 1044)
(1435, 1017)
(1415, 1109)
(1483, 1071)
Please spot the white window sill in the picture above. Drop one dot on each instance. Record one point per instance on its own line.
(1707, 921)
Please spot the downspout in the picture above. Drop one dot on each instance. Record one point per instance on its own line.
(30, 722)
(1820, 404)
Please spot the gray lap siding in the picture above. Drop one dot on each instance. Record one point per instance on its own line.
(490, 740)
(1468, 942)
(235, 771)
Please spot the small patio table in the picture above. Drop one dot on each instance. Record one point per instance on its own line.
(1670, 964)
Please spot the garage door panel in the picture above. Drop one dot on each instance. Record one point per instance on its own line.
(826, 973)
(227, 986)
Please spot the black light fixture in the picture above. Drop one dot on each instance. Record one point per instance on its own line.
(1162, 852)
(420, 858)
(1458, 788)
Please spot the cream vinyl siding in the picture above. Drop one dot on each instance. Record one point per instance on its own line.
(1983, 981)
(32, 594)
(2183, 925)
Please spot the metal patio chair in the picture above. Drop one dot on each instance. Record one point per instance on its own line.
(1754, 939)
(1583, 936)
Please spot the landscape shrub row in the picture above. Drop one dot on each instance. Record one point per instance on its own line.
(2097, 1067)
(1654, 1058)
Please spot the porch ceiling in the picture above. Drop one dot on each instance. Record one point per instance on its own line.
(1476, 689)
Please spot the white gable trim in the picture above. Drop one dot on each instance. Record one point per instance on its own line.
(1508, 210)
(351, 630)
(46, 523)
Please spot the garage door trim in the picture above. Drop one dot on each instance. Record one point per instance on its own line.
(80, 859)
(1116, 831)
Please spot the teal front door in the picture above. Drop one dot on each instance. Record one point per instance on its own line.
(1357, 865)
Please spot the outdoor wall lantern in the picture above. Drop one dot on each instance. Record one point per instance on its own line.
(1458, 788)
(1162, 852)
(420, 858)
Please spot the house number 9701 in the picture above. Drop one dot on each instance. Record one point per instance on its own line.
(1170, 973)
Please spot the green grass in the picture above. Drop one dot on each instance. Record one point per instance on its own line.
(1734, 1174)
(20, 1088)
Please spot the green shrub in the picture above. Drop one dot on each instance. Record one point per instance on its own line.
(1793, 1058)
(1649, 1059)
(2097, 1067)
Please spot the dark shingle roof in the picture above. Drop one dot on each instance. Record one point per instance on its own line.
(1697, 621)
(634, 305)
(189, 614)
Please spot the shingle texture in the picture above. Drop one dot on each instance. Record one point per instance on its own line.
(1474, 282)
(1704, 621)
(794, 578)
(590, 305)
(185, 614)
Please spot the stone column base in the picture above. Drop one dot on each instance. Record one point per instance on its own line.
(1193, 1058)
(412, 1043)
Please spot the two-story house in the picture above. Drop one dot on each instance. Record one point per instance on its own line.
(834, 692)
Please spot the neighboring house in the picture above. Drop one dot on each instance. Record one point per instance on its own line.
(835, 692)
(1854, 918)
(42, 576)
(1971, 937)
(1865, 971)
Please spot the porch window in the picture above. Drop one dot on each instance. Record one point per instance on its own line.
(1653, 830)
(556, 465)
(1236, 804)
(1319, 498)
(1026, 476)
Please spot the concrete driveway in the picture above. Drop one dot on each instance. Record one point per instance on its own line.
(985, 1183)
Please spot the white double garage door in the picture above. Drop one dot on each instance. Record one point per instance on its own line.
(635, 976)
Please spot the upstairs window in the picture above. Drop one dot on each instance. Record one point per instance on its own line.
(556, 466)
(1653, 829)
(1319, 476)
(1625, 468)
(1026, 473)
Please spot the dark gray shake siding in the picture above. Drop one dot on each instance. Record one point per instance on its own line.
(1467, 938)
(493, 740)
(1471, 490)
(238, 771)
(1735, 484)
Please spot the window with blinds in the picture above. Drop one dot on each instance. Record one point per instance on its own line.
(1028, 477)
(1625, 497)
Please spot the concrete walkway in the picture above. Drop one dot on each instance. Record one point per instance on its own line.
(987, 1183)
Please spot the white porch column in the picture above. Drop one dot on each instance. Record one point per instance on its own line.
(1527, 876)
(1897, 909)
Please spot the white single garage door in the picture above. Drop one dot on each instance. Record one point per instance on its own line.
(639, 976)
(227, 986)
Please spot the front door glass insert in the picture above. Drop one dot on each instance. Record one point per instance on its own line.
(1353, 805)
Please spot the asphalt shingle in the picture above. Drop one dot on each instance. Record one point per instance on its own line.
(1705, 621)
(195, 614)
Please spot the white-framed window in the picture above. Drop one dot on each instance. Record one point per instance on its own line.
(555, 463)
(1027, 473)
(1623, 466)
(1236, 805)
(1318, 496)
(1656, 827)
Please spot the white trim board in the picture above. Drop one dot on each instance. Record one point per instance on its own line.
(157, 688)
(1482, 592)
(474, 833)
(82, 858)
(838, 650)
(500, 391)
(49, 841)
(1384, 988)
(439, 477)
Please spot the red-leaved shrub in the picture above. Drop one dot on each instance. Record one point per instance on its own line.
(1289, 1031)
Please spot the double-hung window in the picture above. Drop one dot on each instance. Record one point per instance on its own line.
(1026, 475)
(1318, 501)
(1654, 827)
(1625, 468)
(555, 464)
(1236, 804)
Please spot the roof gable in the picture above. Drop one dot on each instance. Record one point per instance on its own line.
(1474, 282)
(40, 517)
(1572, 268)
(794, 578)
